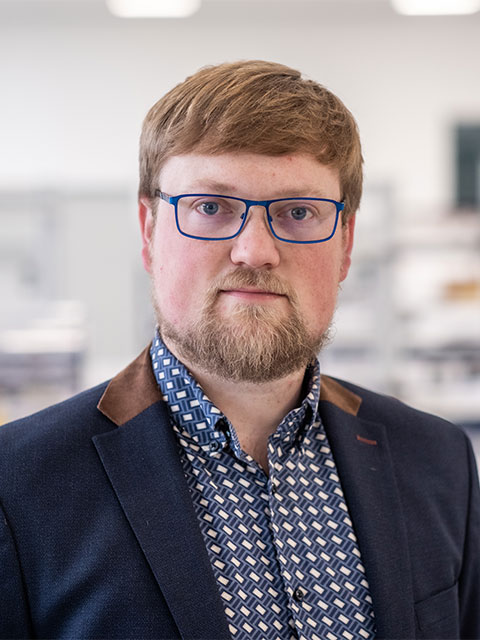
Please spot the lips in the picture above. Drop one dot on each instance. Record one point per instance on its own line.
(251, 294)
(251, 290)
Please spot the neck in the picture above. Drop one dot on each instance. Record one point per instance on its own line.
(254, 409)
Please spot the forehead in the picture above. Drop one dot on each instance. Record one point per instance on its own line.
(249, 175)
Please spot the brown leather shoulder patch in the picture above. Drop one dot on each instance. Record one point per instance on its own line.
(332, 391)
(131, 391)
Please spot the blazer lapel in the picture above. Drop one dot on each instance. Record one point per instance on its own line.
(365, 468)
(142, 462)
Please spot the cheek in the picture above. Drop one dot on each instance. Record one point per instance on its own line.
(317, 291)
(322, 292)
(182, 273)
(174, 287)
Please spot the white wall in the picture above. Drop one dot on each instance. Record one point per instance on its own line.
(75, 87)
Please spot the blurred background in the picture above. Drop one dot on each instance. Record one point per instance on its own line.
(76, 82)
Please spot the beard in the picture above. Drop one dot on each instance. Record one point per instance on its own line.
(252, 343)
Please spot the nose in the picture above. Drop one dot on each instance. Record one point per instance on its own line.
(255, 247)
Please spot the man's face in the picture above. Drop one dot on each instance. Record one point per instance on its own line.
(252, 308)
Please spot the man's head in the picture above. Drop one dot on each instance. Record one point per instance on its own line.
(251, 307)
(255, 107)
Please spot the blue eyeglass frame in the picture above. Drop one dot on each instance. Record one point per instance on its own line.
(339, 206)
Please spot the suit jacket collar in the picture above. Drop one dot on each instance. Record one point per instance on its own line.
(135, 389)
(141, 459)
(131, 391)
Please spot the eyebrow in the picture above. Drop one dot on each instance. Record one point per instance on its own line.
(223, 188)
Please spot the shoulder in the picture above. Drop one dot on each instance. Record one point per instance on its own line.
(372, 404)
(77, 414)
(431, 459)
(49, 456)
(401, 421)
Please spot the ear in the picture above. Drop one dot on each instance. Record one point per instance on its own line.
(147, 226)
(347, 240)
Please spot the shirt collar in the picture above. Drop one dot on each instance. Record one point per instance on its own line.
(190, 408)
(194, 413)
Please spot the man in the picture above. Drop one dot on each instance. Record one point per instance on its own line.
(219, 487)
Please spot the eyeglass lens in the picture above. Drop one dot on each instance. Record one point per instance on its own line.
(221, 217)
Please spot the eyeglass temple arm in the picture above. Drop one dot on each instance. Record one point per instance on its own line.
(162, 195)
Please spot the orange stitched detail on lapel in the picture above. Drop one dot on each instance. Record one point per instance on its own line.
(366, 440)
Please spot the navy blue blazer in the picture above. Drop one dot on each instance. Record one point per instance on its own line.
(99, 538)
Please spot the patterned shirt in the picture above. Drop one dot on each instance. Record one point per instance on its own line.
(282, 547)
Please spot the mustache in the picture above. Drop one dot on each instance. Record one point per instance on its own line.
(246, 277)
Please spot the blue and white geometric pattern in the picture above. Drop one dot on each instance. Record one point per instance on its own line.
(282, 547)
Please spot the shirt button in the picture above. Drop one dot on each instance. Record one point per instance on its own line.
(215, 446)
(298, 594)
(274, 489)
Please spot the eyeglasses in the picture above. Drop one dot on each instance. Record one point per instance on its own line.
(206, 216)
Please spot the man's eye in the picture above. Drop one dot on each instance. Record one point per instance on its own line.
(299, 213)
(209, 208)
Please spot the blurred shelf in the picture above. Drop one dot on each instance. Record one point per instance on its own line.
(408, 321)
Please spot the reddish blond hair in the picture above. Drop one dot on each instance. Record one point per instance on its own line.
(252, 106)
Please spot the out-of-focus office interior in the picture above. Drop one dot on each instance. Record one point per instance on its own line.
(76, 82)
